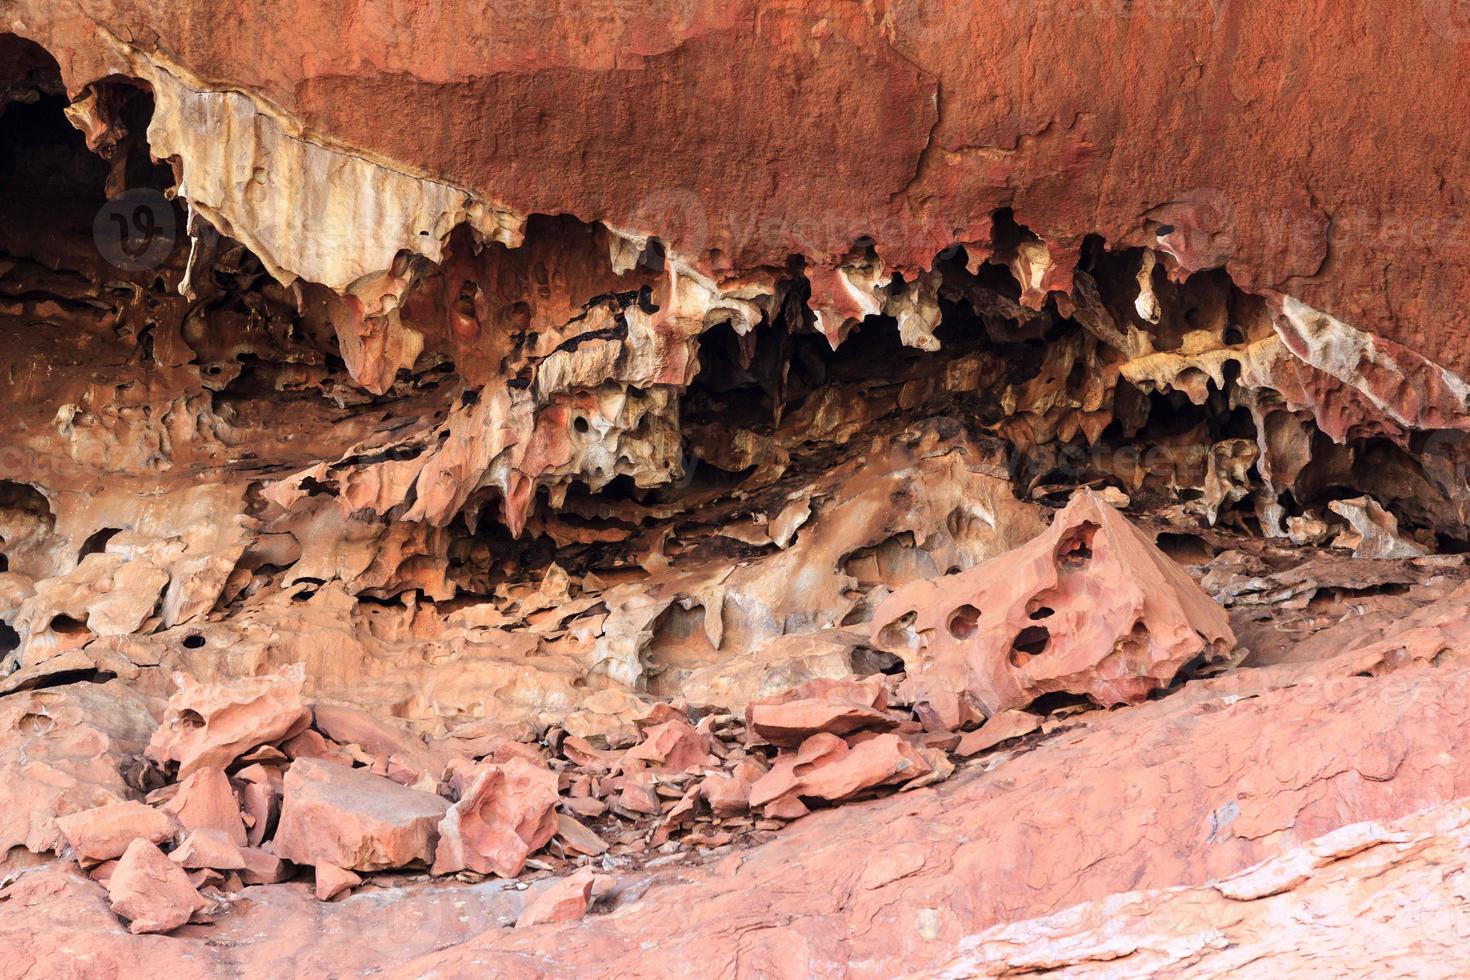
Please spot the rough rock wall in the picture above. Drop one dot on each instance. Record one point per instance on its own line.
(743, 133)
(524, 372)
(565, 279)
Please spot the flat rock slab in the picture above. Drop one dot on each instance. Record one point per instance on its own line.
(104, 832)
(354, 819)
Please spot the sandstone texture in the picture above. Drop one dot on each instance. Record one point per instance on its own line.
(353, 819)
(759, 489)
(105, 833)
(151, 891)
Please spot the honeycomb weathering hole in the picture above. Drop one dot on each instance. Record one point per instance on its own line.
(68, 625)
(899, 633)
(35, 723)
(1030, 642)
(1075, 548)
(963, 622)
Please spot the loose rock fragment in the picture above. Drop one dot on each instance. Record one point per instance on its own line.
(262, 867)
(209, 848)
(151, 891)
(105, 832)
(332, 881)
(354, 819)
(577, 836)
(839, 707)
(507, 812)
(826, 767)
(565, 901)
(672, 746)
(1004, 726)
(206, 801)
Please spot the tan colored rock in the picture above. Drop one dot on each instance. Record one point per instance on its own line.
(565, 900)
(839, 707)
(262, 867)
(332, 881)
(150, 891)
(1001, 727)
(670, 747)
(209, 848)
(1091, 608)
(105, 832)
(206, 801)
(214, 724)
(507, 812)
(354, 819)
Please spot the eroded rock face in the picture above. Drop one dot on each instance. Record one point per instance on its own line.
(548, 476)
(211, 725)
(1090, 608)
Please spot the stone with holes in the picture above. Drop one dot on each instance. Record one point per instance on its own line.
(211, 725)
(1090, 608)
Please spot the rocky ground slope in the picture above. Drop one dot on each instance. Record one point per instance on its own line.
(553, 493)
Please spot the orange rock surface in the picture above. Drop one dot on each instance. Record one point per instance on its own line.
(750, 488)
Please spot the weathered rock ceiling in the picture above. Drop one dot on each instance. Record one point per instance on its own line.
(742, 133)
(661, 416)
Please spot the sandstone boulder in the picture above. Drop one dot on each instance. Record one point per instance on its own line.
(150, 891)
(1091, 607)
(507, 812)
(354, 819)
(105, 832)
(214, 724)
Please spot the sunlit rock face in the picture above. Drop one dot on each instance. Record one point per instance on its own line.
(511, 403)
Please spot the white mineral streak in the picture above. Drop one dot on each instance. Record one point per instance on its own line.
(308, 210)
(1357, 358)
